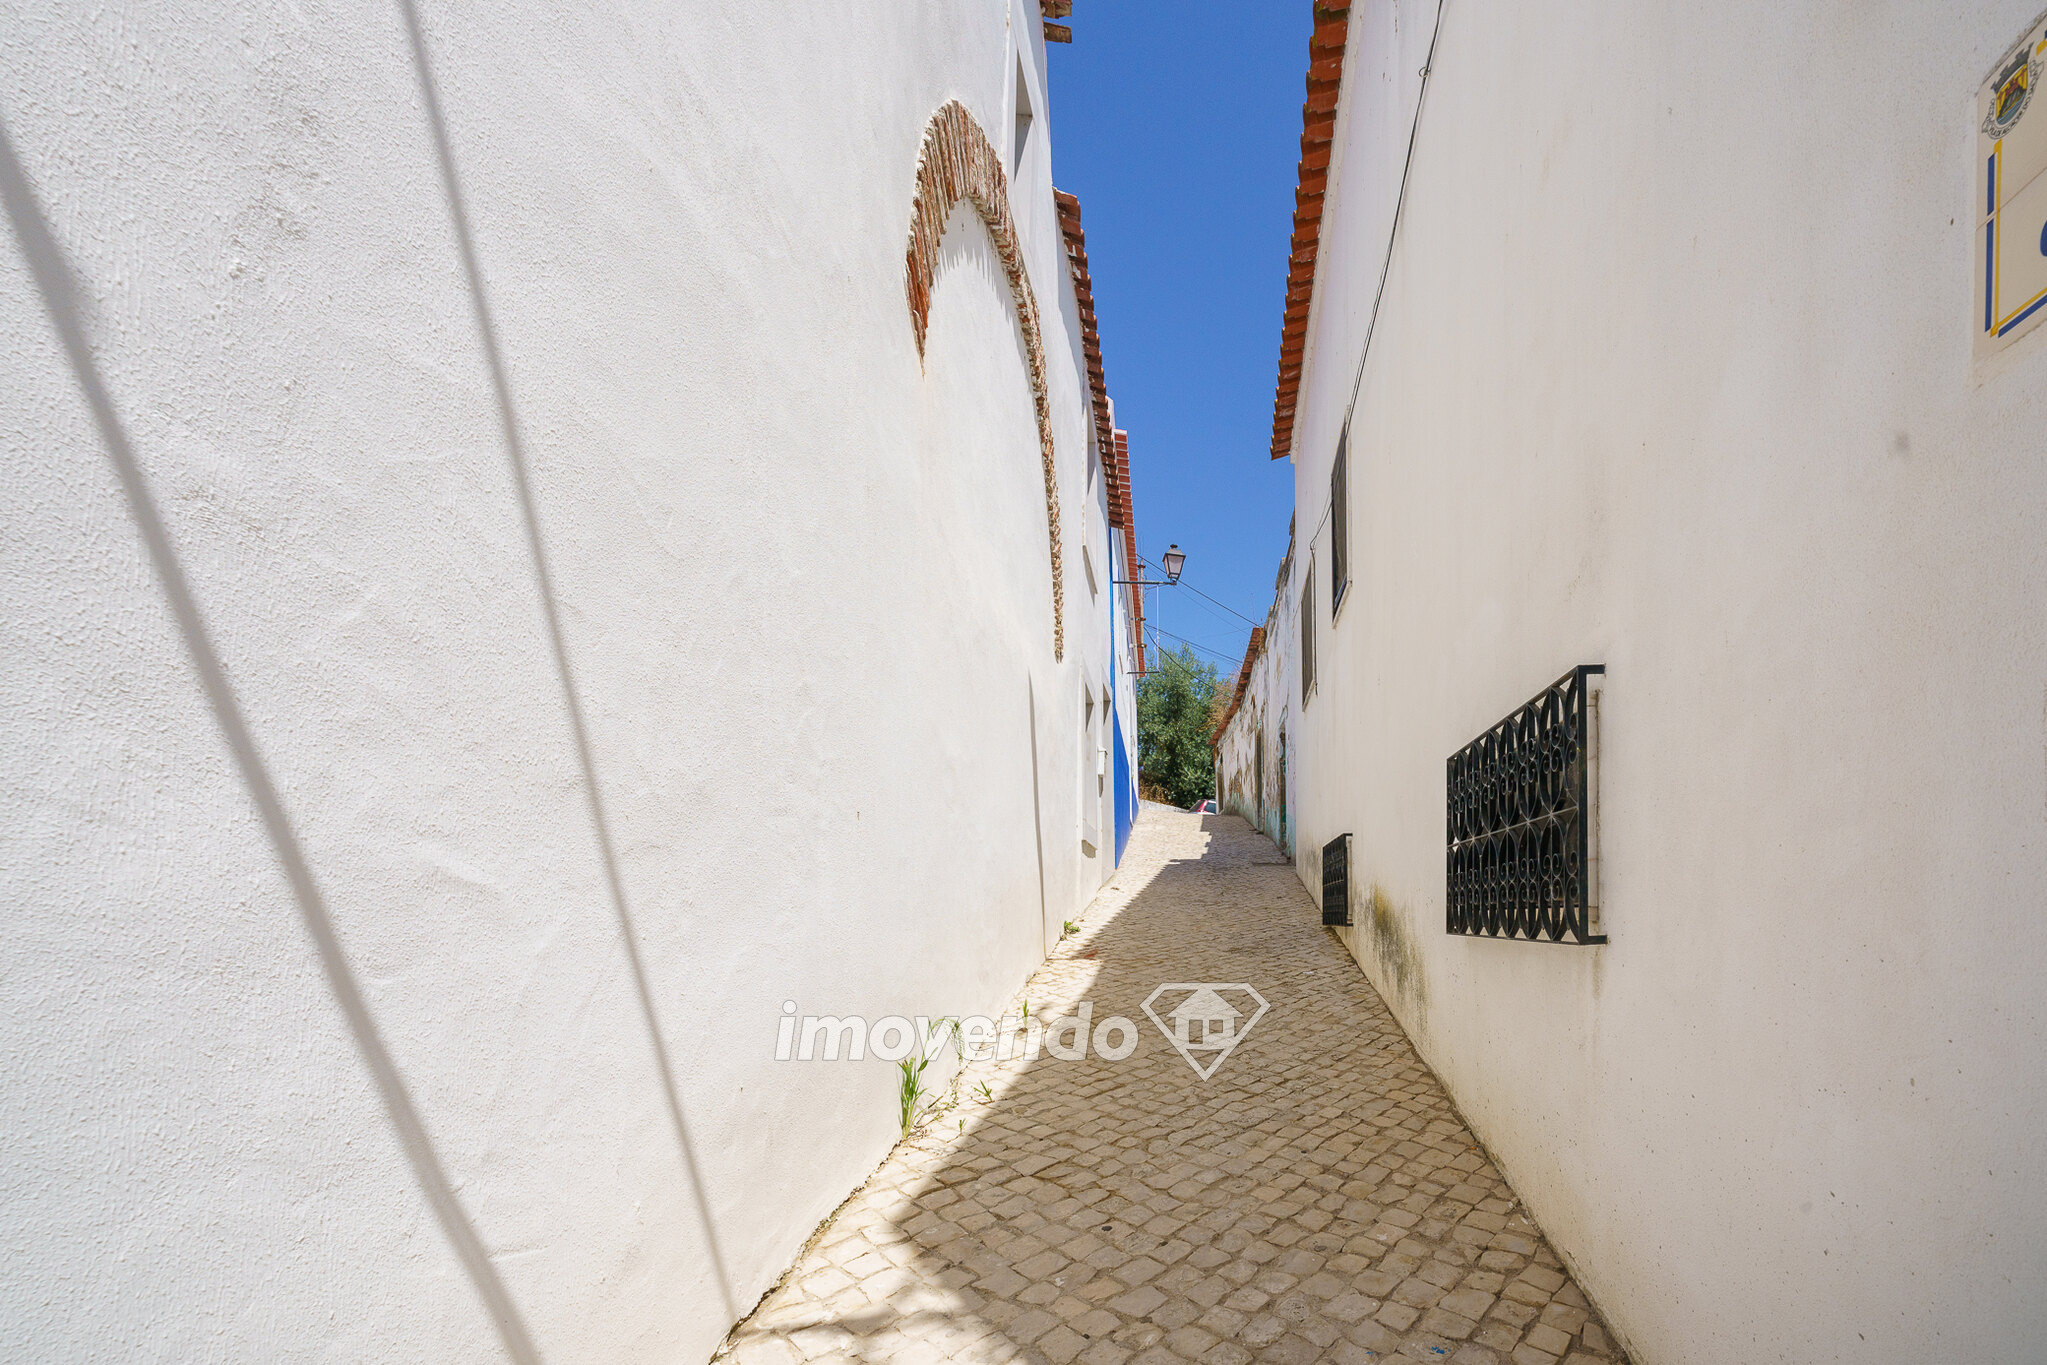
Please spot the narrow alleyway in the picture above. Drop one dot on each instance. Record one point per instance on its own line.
(1316, 1199)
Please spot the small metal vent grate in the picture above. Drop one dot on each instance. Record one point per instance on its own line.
(1336, 881)
(1523, 819)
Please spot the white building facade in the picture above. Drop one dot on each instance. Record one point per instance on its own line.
(1694, 345)
(1251, 742)
(536, 542)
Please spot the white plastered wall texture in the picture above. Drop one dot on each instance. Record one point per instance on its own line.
(1237, 752)
(1269, 705)
(801, 581)
(1233, 753)
(1673, 374)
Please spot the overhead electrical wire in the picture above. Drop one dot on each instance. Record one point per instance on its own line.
(1399, 210)
(1192, 644)
(1392, 235)
(1206, 598)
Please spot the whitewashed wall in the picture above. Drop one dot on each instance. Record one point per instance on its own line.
(1253, 779)
(1673, 374)
(803, 593)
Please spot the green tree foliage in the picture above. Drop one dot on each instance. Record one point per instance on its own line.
(1174, 705)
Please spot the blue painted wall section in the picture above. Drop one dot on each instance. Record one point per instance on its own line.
(1126, 788)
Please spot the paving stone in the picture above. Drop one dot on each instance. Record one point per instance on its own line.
(1351, 1306)
(1096, 1322)
(1496, 1334)
(1224, 1322)
(1028, 1327)
(1138, 1335)
(1468, 1302)
(1138, 1302)
(1318, 1199)
(1158, 1355)
(1262, 1330)
(1398, 1316)
(1004, 1283)
(1442, 1274)
(1046, 1263)
(1426, 1346)
(1447, 1324)
(1061, 1344)
(1375, 1337)
(1292, 1350)
(1377, 1283)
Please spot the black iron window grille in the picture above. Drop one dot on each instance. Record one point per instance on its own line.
(1336, 881)
(1523, 856)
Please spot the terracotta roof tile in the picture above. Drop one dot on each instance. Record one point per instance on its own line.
(1243, 685)
(1113, 445)
(1091, 348)
(1318, 128)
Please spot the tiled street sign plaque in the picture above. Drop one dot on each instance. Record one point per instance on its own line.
(2011, 196)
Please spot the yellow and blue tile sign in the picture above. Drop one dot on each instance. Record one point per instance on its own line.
(2012, 195)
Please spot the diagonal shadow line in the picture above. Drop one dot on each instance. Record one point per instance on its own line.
(53, 279)
(515, 451)
(1037, 810)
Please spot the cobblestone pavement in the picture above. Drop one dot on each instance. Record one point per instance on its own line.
(1317, 1200)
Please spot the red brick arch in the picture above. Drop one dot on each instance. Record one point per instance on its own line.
(957, 163)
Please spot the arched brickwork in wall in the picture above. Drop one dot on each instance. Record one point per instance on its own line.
(957, 163)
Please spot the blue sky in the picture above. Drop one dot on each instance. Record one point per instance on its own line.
(1179, 126)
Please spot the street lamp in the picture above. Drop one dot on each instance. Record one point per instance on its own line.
(1173, 560)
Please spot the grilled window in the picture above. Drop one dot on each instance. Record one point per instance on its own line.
(1523, 826)
(1336, 881)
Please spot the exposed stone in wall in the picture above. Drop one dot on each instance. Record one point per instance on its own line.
(957, 163)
